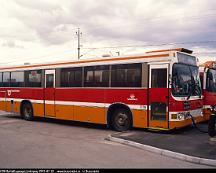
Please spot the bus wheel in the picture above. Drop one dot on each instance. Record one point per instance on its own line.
(121, 120)
(27, 111)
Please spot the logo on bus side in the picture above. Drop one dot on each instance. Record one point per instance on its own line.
(9, 92)
(132, 97)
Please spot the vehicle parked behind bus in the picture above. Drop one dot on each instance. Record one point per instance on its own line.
(155, 90)
(208, 80)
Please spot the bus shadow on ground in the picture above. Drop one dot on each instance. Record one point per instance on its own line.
(185, 130)
(58, 121)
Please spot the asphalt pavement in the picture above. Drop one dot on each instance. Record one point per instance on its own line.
(50, 143)
(188, 141)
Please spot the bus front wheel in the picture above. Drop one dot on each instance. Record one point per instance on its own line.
(27, 111)
(121, 120)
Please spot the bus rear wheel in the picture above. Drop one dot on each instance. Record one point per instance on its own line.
(27, 111)
(121, 120)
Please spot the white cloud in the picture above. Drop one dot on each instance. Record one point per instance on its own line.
(46, 28)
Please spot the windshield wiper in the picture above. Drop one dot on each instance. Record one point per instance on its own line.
(192, 86)
(190, 91)
(198, 89)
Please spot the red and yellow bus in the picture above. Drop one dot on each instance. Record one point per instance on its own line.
(155, 90)
(208, 80)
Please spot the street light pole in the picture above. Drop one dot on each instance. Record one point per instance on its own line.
(78, 33)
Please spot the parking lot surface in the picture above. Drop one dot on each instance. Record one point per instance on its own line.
(49, 143)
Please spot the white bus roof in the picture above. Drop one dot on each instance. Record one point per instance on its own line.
(152, 56)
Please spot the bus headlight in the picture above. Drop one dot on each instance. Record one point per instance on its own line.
(180, 116)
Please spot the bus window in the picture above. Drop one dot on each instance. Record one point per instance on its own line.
(159, 78)
(17, 79)
(1, 79)
(128, 75)
(33, 78)
(185, 80)
(96, 76)
(49, 80)
(158, 111)
(89, 77)
(71, 77)
(6, 79)
(211, 80)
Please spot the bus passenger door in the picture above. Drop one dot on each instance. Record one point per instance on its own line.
(49, 94)
(158, 96)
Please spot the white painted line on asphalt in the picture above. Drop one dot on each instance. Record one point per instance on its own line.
(180, 156)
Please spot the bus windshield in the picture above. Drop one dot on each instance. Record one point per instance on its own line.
(211, 80)
(185, 81)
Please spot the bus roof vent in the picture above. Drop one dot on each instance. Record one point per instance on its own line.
(106, 55)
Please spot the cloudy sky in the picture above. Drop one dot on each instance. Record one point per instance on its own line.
(35, 31)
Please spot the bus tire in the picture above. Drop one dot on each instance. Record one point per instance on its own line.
(121, 120)
(211, 126)
(27, 111)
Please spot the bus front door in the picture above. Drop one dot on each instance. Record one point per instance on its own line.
(158, 96)
(49, 100)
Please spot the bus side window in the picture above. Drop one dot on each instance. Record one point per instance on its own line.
(126, 75)
(6, 79)
(71, 77)
(17, 79)
(49, 80)
(159, 78)
(1, 79)
(33, 78)
(209, 81)
(96, 76)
